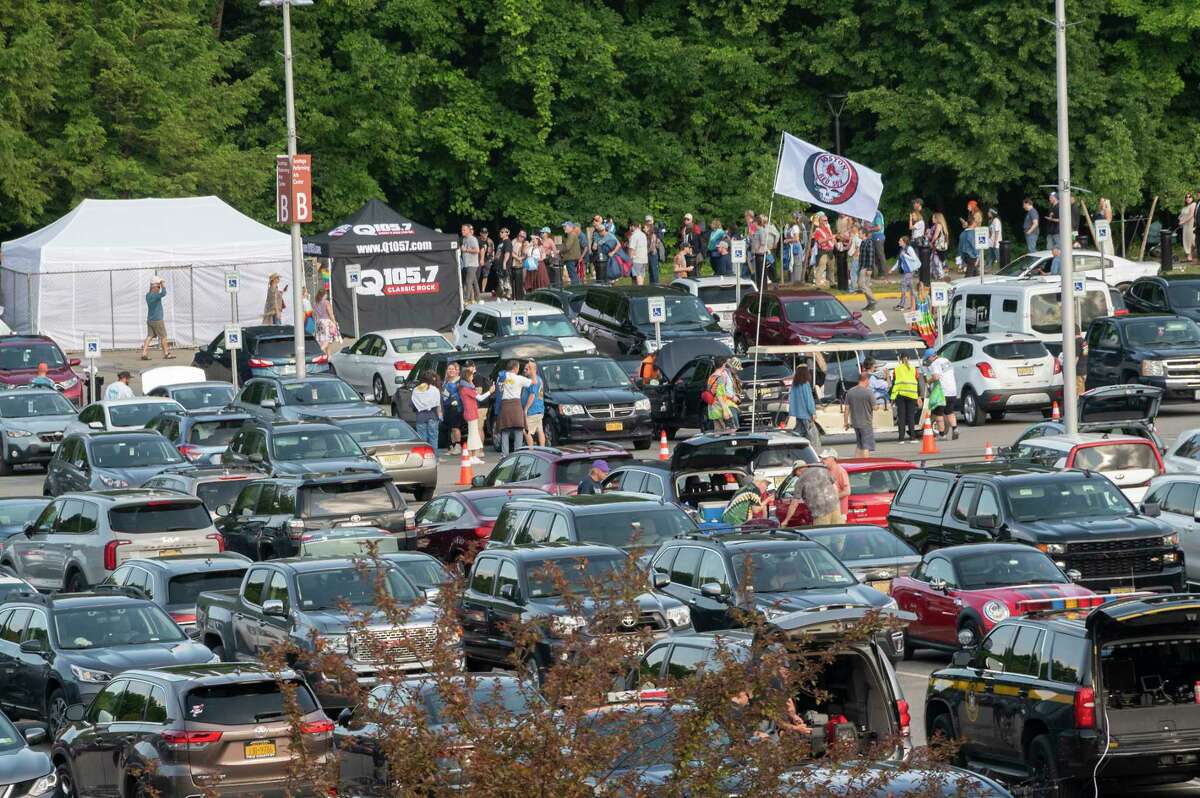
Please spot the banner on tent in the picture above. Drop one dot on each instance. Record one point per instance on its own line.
(414, 290)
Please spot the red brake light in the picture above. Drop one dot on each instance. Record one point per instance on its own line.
(321, 359)
(183, 617)
(403, 365)
(259, 363)
(184, 739)
(189, 451)
(986, 370)
(1085, 708)
(110, 553)
(217, 536)
(1121, 312)
(424, 452)
(484, 530)
(316, 727)
(905, 717)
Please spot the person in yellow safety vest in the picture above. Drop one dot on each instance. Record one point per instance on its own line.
(649, 370)
(906, 397)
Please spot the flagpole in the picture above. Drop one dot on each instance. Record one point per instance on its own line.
(762, 282)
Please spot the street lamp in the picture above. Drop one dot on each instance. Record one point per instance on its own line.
(1065, 226)
(289, 89)
(840, 99)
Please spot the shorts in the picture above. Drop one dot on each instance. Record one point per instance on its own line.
(864, 438)
(637, 270)
(952, 405)
(533, 424)
(156, 328)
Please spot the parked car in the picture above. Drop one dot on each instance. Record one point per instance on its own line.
(379, 361)
(634, 523)
(974, 587)
(297, 448)
(316, 398)
(554, 469)
(348, 541)
(719, 294)
(206, 395)
(121, 415)
(483, 321)
(1163, 351)
(216, 485)
(24, 772)
(569, 299)
(225, 730)
(201, 436)
(508, 584)
(1177, 294)
(422, 570)
(791, 315)
(10, 585)
(21, 354)
(1110, 409)
(80, 538)
(1000, 373)
(392, 443)
(1184, 456)
(1077, 517)
(16, 513)
(293, 601)
(769, 455)
(453, 526)
(271, 516)
(1067, 688)
(436, 362)
(32, 424)
(1174, 498)
(1112, 269)
(267, 351)
(63, 649)
(702, 492)
(875, 556)
(1130, 462)
(617, 319)
(173, 582)
(109, 460)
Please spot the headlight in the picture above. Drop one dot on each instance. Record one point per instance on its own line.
(771, 613)
(995, 611)
(890, 604)
(570, 410)
(90, 676)
(338, 644)
(46, 785)
(1052, 548)
(1154, 368)
(1171, 540)
(641, 404)
(18, 433)
(71, 383)
(679, 616)
(112, 482)
(564, 625)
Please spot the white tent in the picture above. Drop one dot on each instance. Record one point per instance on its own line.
(88, 272)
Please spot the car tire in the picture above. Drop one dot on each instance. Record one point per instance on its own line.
(46, 488)
(943, 726)
(66, 785)
(219, 652)
(909, 650)
(996, 415)
(642, 446)
(532, 669)
(5, 467)
(1044, 773)
(7, 569)
(551, 435)
(378, 391)
(56, 709)
(973, 625)
(423, 494)
(75, 583)
(972, 413)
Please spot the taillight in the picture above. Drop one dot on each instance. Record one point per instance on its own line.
(110, 553)
(321, 359)
(1121, 312)
(905, 717)
(219, 538)
(189, 451)
(986, 370)
(425, 453)
(193, 740)
(1057, 366)
(403, 365)
(183, 617)
(316, 727)
(484, 530)
(259, 363)
(1085, 708)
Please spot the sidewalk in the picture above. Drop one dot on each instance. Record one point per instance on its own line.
(112, 362)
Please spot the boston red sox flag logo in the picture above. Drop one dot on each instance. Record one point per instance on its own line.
(813, 175)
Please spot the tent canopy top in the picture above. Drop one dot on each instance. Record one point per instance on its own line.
(376, 229)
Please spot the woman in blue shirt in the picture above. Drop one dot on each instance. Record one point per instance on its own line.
(802, 405)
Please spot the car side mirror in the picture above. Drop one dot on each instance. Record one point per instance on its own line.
(255, 458)
(268, 404)
(1074, 575)
(508, 592)
(27, 530)
(1151, 509)
(988, 522)
(479, 481)
(660, 581)
(74, 361)
(939, 584)
(345, 351)
(966, 638)
(96, 425)
(33, 647)
(962, 658)
(75, 713)
(712, 590)
(856, 314)
(35, 735)
(274, 608)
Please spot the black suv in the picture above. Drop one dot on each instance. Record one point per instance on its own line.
(617, 319)
(62, 649)
(1162, 293)
(270, 517)
(1062, 695)
(1161, 350)
(507, 585)
(267, 351)
(1079, 518)
(25, 773)
(628, 522)
(296, 448)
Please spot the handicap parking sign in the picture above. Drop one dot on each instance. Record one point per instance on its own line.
(657, 307)
(520, 321)
(233, 337)
(91, 347)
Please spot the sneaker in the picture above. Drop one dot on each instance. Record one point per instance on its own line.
(954, 433)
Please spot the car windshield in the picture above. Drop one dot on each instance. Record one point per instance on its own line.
(991, 569)
(1110, 457)
(10, 738)
(550, 325)
(680, 309)
(1079, 498)
(424, 572)
(113, 625)
(379, 430)
(1016, 350)
(316, 444)
(184, 589)
(357, 587)
(616, 528)
(575, 575)
(784, 567)
(1045, 310)
(1175, 331)
(284, 348)
(35, 403)
(861, 543)
(27, 356)
(221, 492)
(866, 483)
(160, 516)
(1020, 265)
(214, 433)
(134, 452)
(721, 294)
(347, 498)
(584, 374)
(203, 397)
(421, 343)
(812, 310)
(139, 414)
(244, 703)
(17, 512)
(1184, 294)
(504, 697)
(319, 392)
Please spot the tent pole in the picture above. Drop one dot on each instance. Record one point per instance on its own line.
(192, 283)
(112, 312)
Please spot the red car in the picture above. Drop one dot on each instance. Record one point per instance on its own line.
(792, 316)
(975, 587)
(873, 483)
(454, 525)
(21, 354)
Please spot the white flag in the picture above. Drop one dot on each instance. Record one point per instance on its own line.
(831, 181)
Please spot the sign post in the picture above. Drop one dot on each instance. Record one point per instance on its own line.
(91, 351)
(353, 280)
(737, 255)
(1103, 235)
(939, 297)
(656, 306)
(233, 283)
(982, 242)
(233, 342)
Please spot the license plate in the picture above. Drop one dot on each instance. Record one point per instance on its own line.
(883, 585)
(393, 459)
(259, 749)
(614, 426)
(285, 370)
(168, 552)
(1121, 590)
(1026, 371)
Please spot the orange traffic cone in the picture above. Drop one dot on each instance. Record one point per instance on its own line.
(664, 452)
(928, 442)
(465, 474)
(988, 454)
(1054, 414)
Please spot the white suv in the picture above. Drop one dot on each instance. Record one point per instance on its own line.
(719, 294)
(484, 321)
(1002, 372)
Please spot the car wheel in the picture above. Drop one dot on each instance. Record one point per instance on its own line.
(378, 391)
(551, 435)
(642, 446)
(66, 786)
(75, 583)
(972, 625)
(996, 415)
(422, 494)
(7, 569)
(533, 670)
(971, 412)
(46, 488)
(1043, 766)
(909, 650)
(5, 467)
(56, 710)
(943, 728)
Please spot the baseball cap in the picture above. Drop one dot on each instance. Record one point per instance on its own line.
(545, 230)
(928, 354)
(568, 224)
(601, 466)
(1054, 194)
(829, 453)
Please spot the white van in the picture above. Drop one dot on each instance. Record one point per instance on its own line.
(483, 321)
(1030, 306)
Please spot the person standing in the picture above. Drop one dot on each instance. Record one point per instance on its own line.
(511, 421)
(274, 306)
(858, 413)
(452, 410)
(570, 252)
(590, 484)
(866, 271)
(723, 261)
(716, 235)
(917, 239)
(841, 481)
(683, 258)
(487, 259)
(759, 250)
(655, 252)
(1031, 225)
(534, 403)
(816, 489)
(689, 231)
(793, 248)
(427, 402)
(1104, 211)
(517, 266)
(719, 386)
(328, 335)
(938, 237)
(1187, 224)
(639, 253)
(825, 241)
(118, 390)
(943, 371)
(853, 247)
(500, 269)
(469, 249)
(155, 326)
(995, 233)
(878, 236)
(905, 394)
(604, 245)
(802, 405)
(907, 263)
(1052, 220)
(471, 397)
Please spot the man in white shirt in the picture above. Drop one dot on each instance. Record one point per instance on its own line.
(119, 389)
(639, 254)
(943, 371)
(994, 235)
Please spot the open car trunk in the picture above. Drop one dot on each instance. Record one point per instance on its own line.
(709, 490)
(851, 687)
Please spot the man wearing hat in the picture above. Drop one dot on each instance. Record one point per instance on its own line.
(119, 389)
(942, 370)
(155, 326)
(590, 485)
(273, 307)
(841, 480)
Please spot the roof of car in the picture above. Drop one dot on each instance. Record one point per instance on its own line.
(954, 552)
(311, 564)
(191, 563)
(28, 389)
(274, 425)
(701, 282)
(505, 307)
(21, 338)
(1065, 443)
(799, 292)
(403, 332)
(132, 495)
(329, 478)
(578, 452)
(770, 437)
(216, 472)
(200, 384)
(471, 494)
(1171, 278)
(137, 400)
(742, 539)
(596, 502)
(117, 433)
(997, 469)
(69, 600)
(211, 414)
(552, 551)
(297, 378)
(853, 464)
(639, 290)
(995, 336)
(216, 672)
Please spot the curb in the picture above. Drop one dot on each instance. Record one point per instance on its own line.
(859, 294)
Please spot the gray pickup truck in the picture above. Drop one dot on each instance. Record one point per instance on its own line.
(288, 602)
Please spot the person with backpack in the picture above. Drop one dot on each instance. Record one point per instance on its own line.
(603, 245)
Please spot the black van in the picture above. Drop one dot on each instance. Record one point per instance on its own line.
(617, 319)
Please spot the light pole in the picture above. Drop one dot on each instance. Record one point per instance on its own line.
(289, 90)
(840, 99)
(1065, 232)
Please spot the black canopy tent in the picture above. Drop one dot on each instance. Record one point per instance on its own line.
(409, 276)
